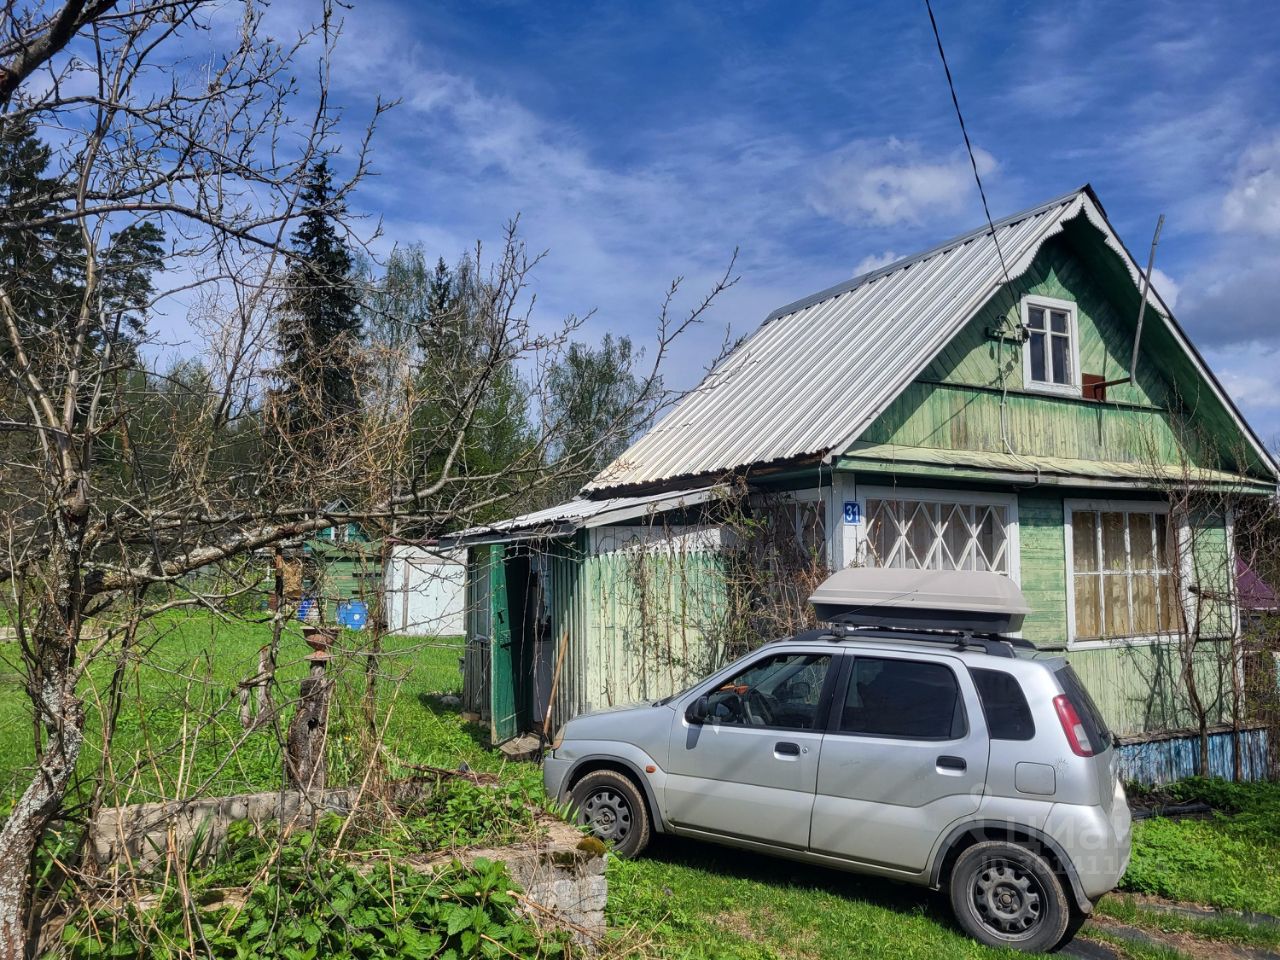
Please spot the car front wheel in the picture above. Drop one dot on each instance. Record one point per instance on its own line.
(612, 806)
(1005, 895)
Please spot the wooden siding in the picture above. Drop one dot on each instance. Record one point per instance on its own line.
(639, 621)
(1138, 689)
(1042, 547)
(1106, 337)
(957, 403)
(651, 618)
(959, 417)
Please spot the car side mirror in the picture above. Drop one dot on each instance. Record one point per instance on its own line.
(699, 711)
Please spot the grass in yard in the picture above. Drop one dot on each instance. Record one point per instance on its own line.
(179, 723)
(178, 732)
(1231, 860)
(702, 902)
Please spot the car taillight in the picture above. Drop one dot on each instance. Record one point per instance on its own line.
(1072, 727)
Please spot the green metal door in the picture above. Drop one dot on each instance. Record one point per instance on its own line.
(502, 688)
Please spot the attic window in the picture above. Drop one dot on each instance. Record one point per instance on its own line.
(1050, 353)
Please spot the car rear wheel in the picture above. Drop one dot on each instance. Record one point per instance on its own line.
(611, 805)
(1005, 895)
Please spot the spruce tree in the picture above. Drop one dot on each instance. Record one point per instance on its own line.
(319, 326)
(42, 258)
(38, 261)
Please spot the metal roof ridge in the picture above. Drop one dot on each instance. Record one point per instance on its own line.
(847, 286)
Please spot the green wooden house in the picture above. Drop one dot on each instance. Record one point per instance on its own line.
(336, 564)
(969, 407)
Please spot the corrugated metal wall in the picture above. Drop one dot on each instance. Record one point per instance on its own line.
(1164, 761)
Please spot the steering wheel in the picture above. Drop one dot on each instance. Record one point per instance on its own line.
(758, 704)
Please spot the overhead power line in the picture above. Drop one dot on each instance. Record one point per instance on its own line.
(955, 101)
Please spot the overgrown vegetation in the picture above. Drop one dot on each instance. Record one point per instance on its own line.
(1231, 859)
(309, 897)
(177, 734)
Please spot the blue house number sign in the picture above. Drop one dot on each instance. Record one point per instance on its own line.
(852, 511)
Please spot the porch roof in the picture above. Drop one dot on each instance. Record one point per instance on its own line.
(581, 513)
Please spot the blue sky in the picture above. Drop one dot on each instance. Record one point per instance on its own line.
(639, 142)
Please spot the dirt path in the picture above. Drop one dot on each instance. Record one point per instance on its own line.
(1089, 947)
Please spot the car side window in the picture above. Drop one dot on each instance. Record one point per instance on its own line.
(908, 699)
(782, 691)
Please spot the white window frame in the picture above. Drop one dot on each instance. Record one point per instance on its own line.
(1179, 532)
(934, 495)
(1072, 389)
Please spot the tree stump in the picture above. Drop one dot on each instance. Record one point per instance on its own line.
(305, 744)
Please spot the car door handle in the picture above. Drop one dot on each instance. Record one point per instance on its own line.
(787, 749)
(951, 763)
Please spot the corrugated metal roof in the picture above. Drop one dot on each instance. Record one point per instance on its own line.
(581, 513)
(819, 371)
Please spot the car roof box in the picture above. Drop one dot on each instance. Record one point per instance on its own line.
(960, 600)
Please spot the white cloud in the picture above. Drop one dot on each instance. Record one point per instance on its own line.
(890, 182)
(1248, 374)
(874, 261)
(1166, 286)
(1252, 205)
(1252, 390)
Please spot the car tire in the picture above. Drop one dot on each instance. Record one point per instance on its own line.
(615, 810)
(1078, 920)
(1005, 895)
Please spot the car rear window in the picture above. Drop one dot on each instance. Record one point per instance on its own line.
(1094, 725)
(1004, 705)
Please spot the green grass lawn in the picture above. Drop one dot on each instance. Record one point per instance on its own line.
(1230, 860)
(699, 901)
(178, 732)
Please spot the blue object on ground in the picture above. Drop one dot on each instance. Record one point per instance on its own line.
(353, 614)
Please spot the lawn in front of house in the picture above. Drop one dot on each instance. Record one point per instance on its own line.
(1230, 859)
(178, 732)
(696, 901)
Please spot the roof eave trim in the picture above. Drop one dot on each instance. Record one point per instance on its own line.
(848, 285)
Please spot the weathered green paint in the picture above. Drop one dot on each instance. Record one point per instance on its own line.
(651, 614)
(1140, 689)
(971, 396)
(1106, 336)
(1042, 548)
(962, 417)
(634, 620)
(502, 676)
(990, 466)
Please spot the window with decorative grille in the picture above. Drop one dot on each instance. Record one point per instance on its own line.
(938, 535)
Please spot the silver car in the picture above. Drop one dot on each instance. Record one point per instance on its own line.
(942, 752)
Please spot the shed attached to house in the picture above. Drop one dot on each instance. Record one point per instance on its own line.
(941, 413)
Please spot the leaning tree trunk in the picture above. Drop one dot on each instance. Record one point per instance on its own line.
(50, 656)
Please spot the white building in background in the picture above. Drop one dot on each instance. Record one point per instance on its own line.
(425, 591)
